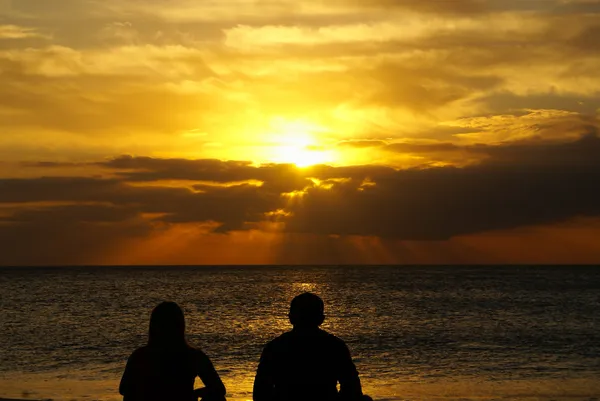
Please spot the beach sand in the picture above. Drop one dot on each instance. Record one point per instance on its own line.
(462, 389)
(25, 399)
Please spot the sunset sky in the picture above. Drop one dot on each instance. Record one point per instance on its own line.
(299, 132)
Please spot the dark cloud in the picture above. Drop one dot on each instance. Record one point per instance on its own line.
(362, 143)
(506, 103)
(49, 164)
(470, 7)
(276, 177)
(448, 6)
(72, 214)
(523, 153)
(424, 147)
(437, 204)
(51, 242)
(578, 7)
(517, 184)
(584, 152)
(57, 189)
(232, 207)
(152, 169)
(589, 39)
(140, 169)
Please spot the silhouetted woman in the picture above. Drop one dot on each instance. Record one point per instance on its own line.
(166, 368)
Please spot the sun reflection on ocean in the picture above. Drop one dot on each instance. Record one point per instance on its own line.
(299, 288)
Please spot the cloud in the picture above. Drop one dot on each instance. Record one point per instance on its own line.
(18, 32)
(533, 150)
(109, 72)
(61, 90)
(548, 124)
(71, 214)
(448, 117)
(49, 241)
(507, 103)
(588, 39)
(517, 184)
(120, 32)
(453, 6)
(362, 143)
(478, 7)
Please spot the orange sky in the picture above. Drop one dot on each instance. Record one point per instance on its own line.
(252, 131)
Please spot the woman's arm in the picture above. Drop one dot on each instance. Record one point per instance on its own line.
(214, 389)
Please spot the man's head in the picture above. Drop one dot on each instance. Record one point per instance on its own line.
(307, 311)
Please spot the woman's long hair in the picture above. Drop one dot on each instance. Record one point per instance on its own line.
(167, 327)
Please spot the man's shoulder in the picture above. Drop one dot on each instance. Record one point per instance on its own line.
(318, 335)
(281, 339)
(334, 340)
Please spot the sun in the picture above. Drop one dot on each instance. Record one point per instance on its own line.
(301, 156)
(296, 142)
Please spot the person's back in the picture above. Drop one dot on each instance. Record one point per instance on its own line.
(306, 363)
(153, 374)
(167, 367)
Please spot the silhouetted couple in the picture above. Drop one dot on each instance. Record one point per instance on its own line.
(305, 364)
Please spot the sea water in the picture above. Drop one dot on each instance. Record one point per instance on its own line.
(415, 333)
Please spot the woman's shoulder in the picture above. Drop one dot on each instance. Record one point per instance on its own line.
(139, 353)
(202, 361)
(197, 353)
(144, 350)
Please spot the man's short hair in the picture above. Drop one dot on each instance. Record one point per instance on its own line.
(307, 310)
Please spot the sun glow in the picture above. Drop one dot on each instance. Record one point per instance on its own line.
(302, 156)
(296, 143)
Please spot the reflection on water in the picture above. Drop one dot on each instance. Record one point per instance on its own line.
(299, 288)
(416, 333)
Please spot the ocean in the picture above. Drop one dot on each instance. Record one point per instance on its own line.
(415, 333)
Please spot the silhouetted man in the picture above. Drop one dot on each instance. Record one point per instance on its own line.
(307, 363)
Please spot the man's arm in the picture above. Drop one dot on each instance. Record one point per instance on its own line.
(126, 387)
(350, 387)
(264, 384)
